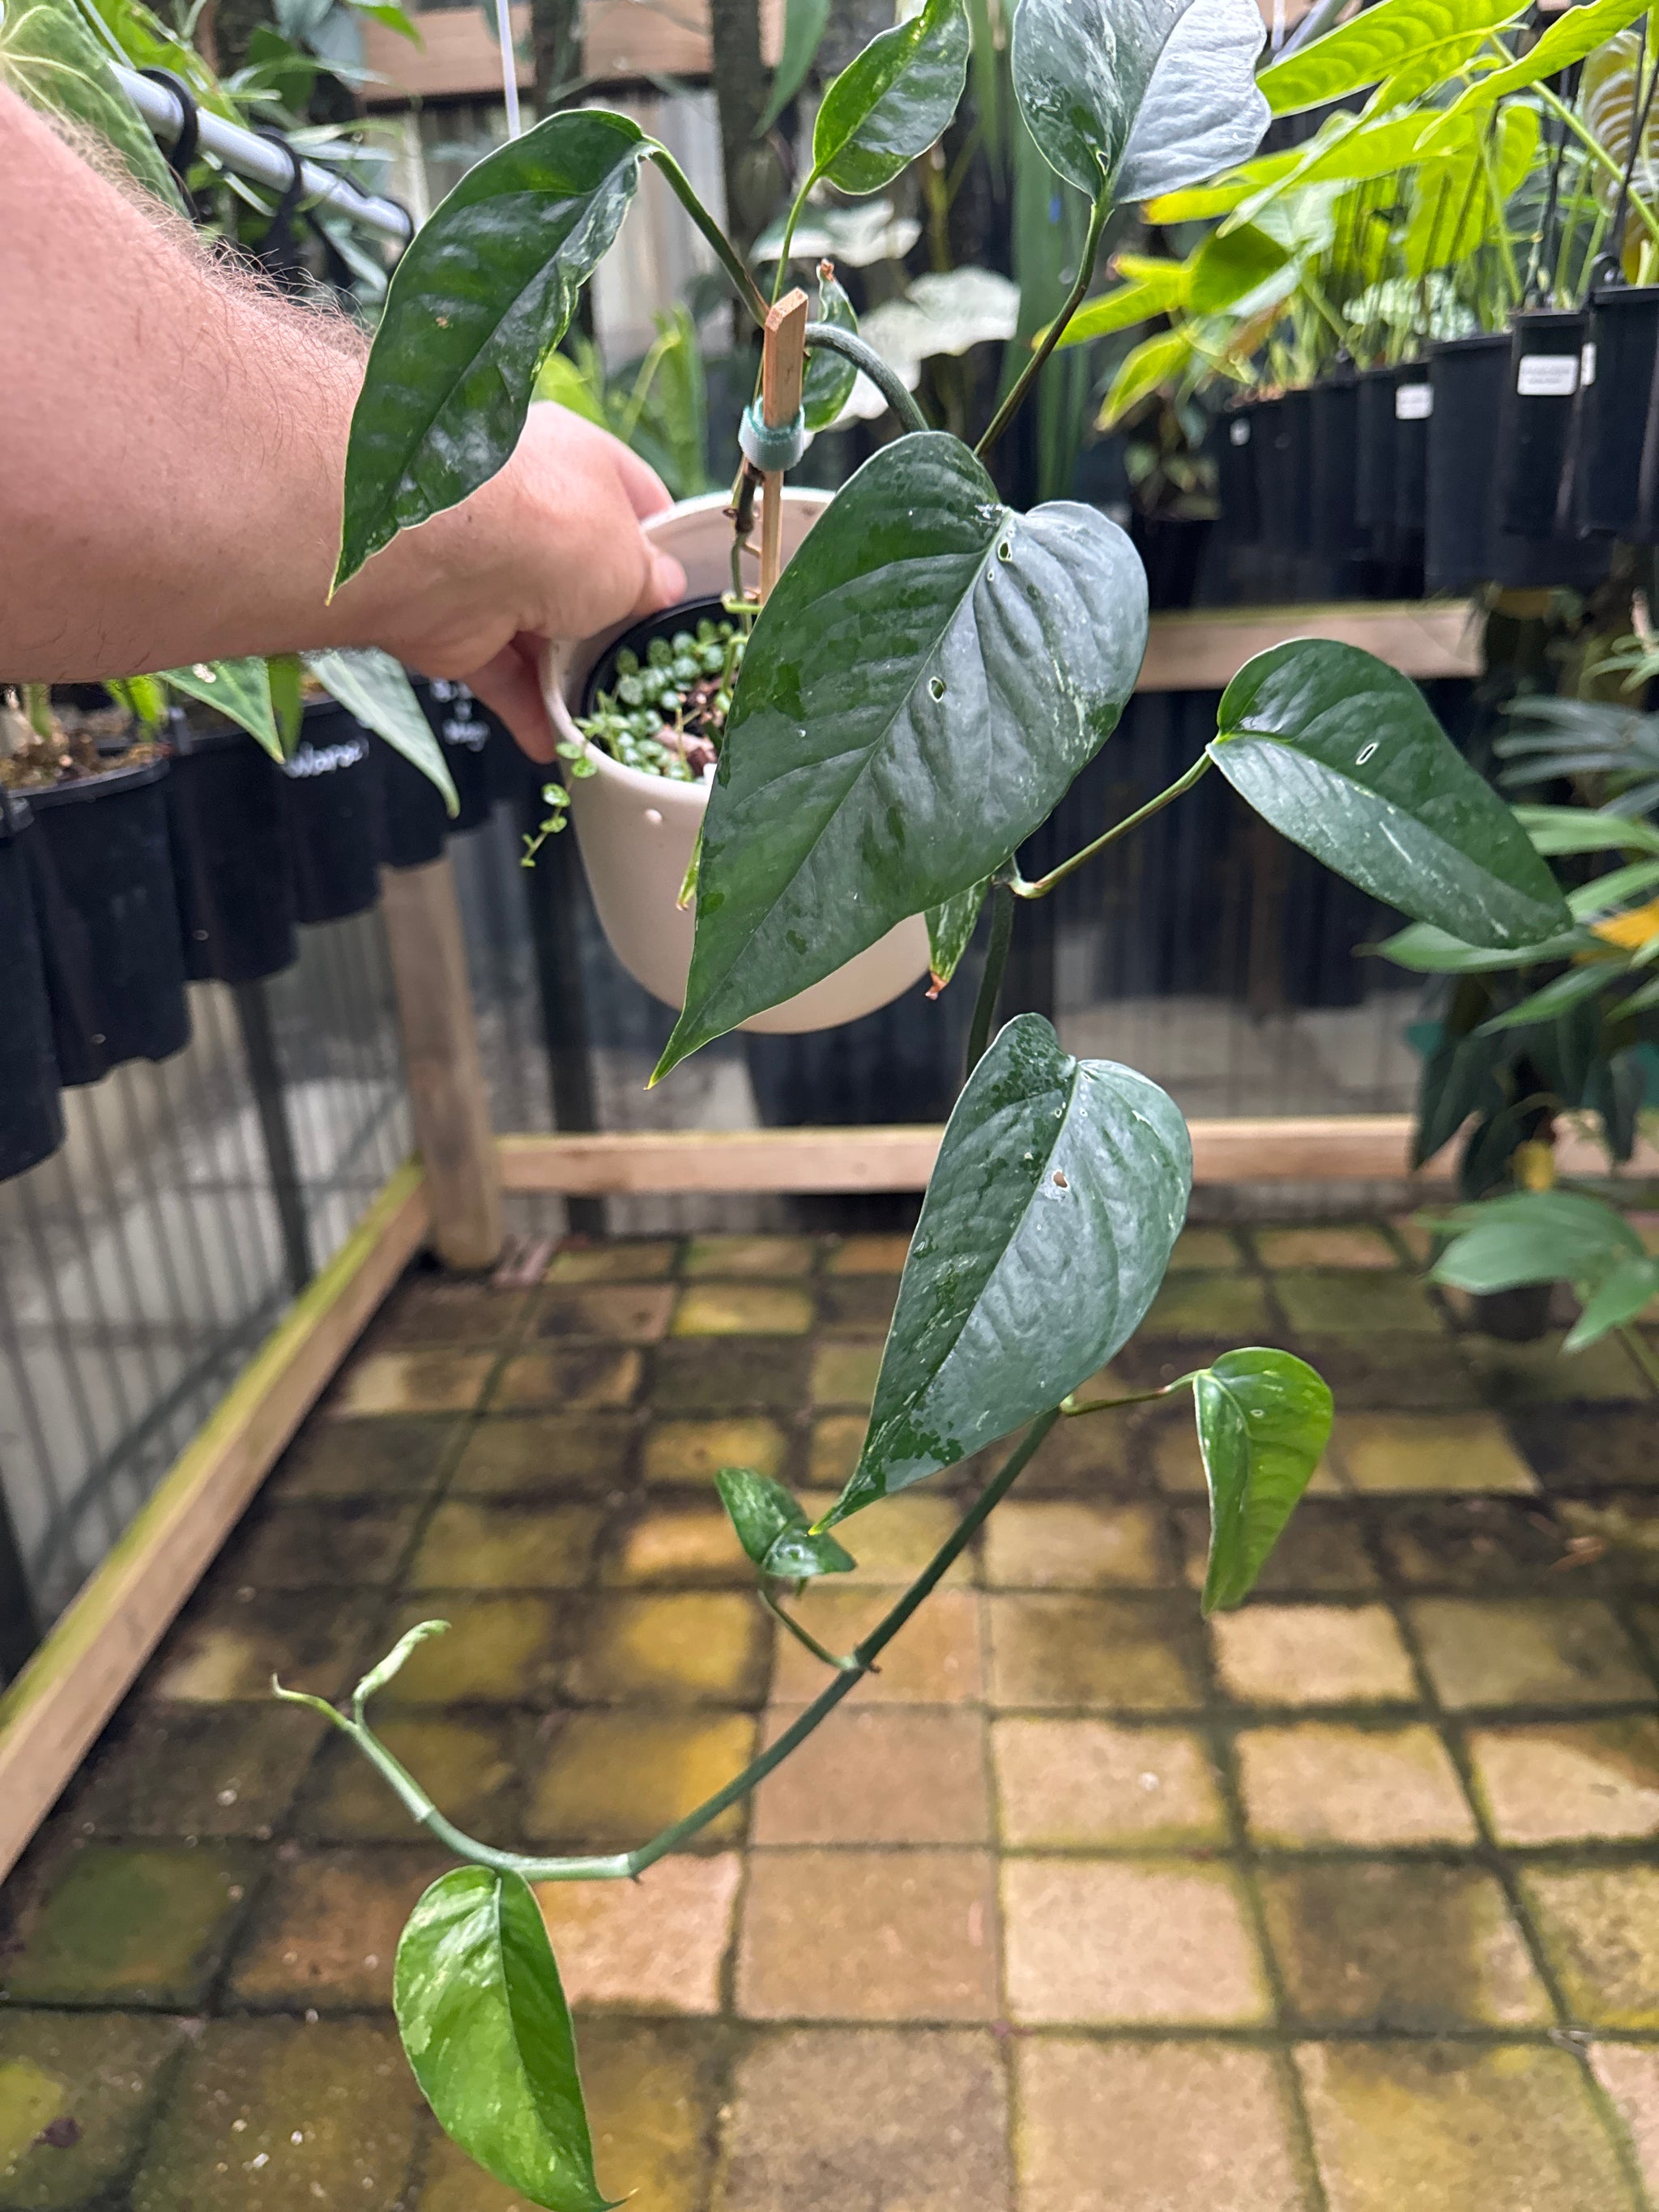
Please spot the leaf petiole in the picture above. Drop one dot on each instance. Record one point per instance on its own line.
(846, 1664)
(1044, 885)
(724, 252)
(1056, 330)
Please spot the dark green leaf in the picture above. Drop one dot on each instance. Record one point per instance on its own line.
(894, 99)
(929, 676)
(238, 689)
(50, 57)
(951, 932)
(1626, 1290)
(1202, 111)
(1535, 1237)
(1060, 1187)
(804, 26)
(1264, 1419)
(1570, 990)
(1342, 756)
(773, 1529)
(1081, 69)
(484, 2022)
(1374, 45)
(1431, 951)
(1459, 1078)
(476, 305)
(830, 379)
(371, 685)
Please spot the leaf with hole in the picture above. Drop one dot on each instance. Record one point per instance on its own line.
(1081, 69)
(929, 676)
(1340, 754)
(485, 2025)
(894, 99)
(1264, 1419)
(481, 298)
(1059, 1189)
(1202, 111)
(773, 1529)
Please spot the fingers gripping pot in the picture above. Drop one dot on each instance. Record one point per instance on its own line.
(636, 832)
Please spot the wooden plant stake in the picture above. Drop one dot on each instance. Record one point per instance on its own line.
(783, 368)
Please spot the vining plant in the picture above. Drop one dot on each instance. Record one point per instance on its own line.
(930, 675)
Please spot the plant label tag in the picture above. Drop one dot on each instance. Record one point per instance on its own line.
(1414, 403)
(1547, 375)
(1239, 432)
(1587, 363)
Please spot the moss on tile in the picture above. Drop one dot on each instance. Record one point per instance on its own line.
(609, 1313)
(1349, 1303)
(127, 1924)
(551, 1455)
(580, 1377)
(693, 1451)
(621, 1259)
(471, 1546)
(464, 1765)
(77, 2093)
(372, 1458)
(844, 1374)
(751, 1309)
(198, 1771)
(764, 1256)
(688, 1647)
(729, 1374)
(1201, 1305)
(499, 1650)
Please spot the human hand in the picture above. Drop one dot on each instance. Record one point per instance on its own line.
(550, 547)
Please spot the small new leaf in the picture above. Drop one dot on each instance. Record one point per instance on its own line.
(773, 1529)
(238, 689)
(894, 99)
(1264, 1419)
(392, 1664)
(830, 378)
(484, 2022)
(951, 932)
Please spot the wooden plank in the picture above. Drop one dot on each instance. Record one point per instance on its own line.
(1204, 651)
(623, 41)
(783, 372)
(57, 1705)
(447, 1090)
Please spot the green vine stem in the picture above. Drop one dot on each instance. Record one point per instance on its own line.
(843, 1665)
(724, 252)
(37, 705)
(851, 347)
(1593, 146)
(626, 1866)
(798, 208)
(990, 982)
(1056, 330)
(1044, 885)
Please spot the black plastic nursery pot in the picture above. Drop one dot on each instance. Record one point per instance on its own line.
(1171, 549)
(31, 1108)
(639, 641)
(1334, 459)
(101, 867)
(1615, 409)
(332, 815)
(1412, 410)
(1236, 454)
(1373, 485)
(1535, 436)
(1467, 377)
(231, 859)
(417, 821)
(1284, 472)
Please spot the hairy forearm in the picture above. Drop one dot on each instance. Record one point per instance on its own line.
(173, 437)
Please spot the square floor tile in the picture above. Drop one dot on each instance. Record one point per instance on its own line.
(673, 1543)
(1630, 2075)
(876, 1775)
(326, 1928)
(765, 1256)
(618, 1259)
(1312, 1655)
(497, 1652)
(833, 1450)
(653, 1946)
(1222, 1306)
(1063, 1544)
(196, 1771)
(1582, 1448)
(228, 1646)
(1385, 1453)
(370, 1459)
(1400, 1948)
(1569, 1782)
(694, 1451)
(77, 2093)
(581, 1377)
(413, 1383)
(743, 1310)
(894, 1540)
(545, 1455)
(1600, 1928)
(1527, 1651)
(1331, 1782)
(1322, 1549)
(1206, 1251)
(1136, 2127)
(1357, 1245)
(893, 2119)
(844, 1374)
(1441, 2125)
(1524, 1375)
(730, 1374)
(688, 1647)
(1095, 1457)
(1102, 1654)
(859, 1305)
(614, 1779)
(469, 1545)
(866, 1255)
(351, 1545)
(934, 1659)
(129, 1923)
(1390, 1371)
(465, 1766)
(1353, 1303)
(1126, 1942)
(1477, 1543)
(868, 1934)
(612, 1312)
(1087, 1784)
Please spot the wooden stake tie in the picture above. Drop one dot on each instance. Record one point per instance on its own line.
(783, 369)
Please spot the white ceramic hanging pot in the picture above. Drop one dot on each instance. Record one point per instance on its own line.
(636, 832)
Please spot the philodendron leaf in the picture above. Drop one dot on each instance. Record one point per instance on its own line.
(1264, 1419)
(894, 99)
(1202, 111)
(238, 689)
(1376, 44)
(479, 300)
(1342, 756)
(484, 2022)
(1081, 69)
(951, 931)
(929, 676)
(371, 685)
(773, 1529)
(1060, 1187)
(830, 378)
(51, 59)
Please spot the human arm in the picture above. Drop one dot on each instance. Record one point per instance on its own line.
(172, 442)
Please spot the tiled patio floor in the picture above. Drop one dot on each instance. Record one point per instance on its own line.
(1348, 1904)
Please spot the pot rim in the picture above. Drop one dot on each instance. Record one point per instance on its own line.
(108, 783)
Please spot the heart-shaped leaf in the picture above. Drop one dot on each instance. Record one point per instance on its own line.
(481, 297)
(951, 932)
(1202, 111)
(1081, 69)
(1264, 1419)
(1342, 756)
(1378, 42)
(892, 101)
(1059, 1189)
(773, 1529)
(830, 378)
(238, 689)
(488, 2033)
(50, 57)
(929, 676)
